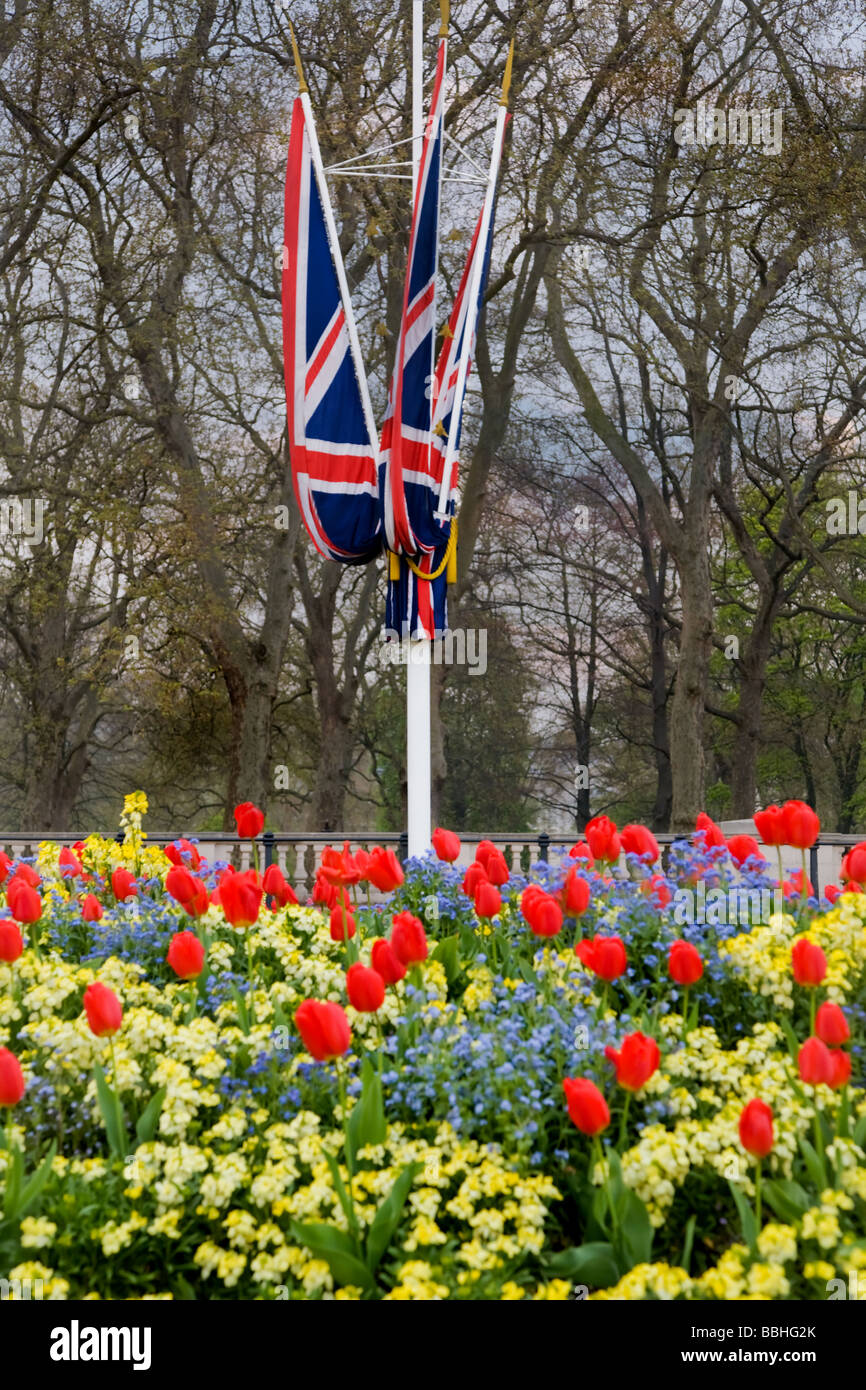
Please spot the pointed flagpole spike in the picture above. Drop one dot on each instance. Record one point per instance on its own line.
(506, 81)
(302, 81)
(444, 11)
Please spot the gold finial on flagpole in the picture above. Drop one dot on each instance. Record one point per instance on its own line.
(506, 81)
(302, 81)
(444, 10)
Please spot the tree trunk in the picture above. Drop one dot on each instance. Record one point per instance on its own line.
(749, 712)
(690, 691)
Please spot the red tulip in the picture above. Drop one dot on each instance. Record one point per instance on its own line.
(756, 1128)
(832, 892)
(488, 900)
(541, 910)
(483, 853)
(181, 884)
(68, 864)
(275, 885)
(341, 924)
(831, 1025)
(183, 853)
(446, 845)
(11, 941)
(582, 851)
(186, 955)
(475, 874)
(385, 962)
(815, 1062)
(26, 873)
(708, 831)
(365, 988)
(800, 825)
(636, 1060)
(5, 866)
(575, 894)
(103, 1008)
(324, 1029)
(854, 863)
(250, 820)
(363, 860)
(587, 1107)
(24, 902)
(604, 955)
(636, 839)
(123, 884)
(408, 939)
(841, 1063)
(241, 898)
(338, 867)
(793, 886)
(198, 906)
(770, 826)
(684, 963)
(91, 908)
(12, 1086)
(808, 962)
(743, 847)
(656, 887)
(324, 891)
(602, 838)
(384, 870)
(496, 867)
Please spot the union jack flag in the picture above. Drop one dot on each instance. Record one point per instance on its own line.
(406, 447)
(333, 454)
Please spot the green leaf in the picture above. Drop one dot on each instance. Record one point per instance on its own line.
(111, 1112)
(446, 952)
(814, 1164)
(13, 1184)
(686, 1257)
(635, 1231)
(148, 1120)
(340, 1189)
(747, 1217)
(593, 1263)
(243, 1013)
(337, 1248)
(793, 1040)
(367, 1120)
(36, 1183)
(787, 1199)
(387, 1218)
(860, 1132)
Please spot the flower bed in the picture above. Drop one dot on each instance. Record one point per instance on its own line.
(536, 1087)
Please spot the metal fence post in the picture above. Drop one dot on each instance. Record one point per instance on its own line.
(543, 845)
(268, 842)
(404, 846)
(813, 867)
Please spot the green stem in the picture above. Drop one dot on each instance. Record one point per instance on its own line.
(758, 1196)
(34, 937)
(813, 1006)
(255, 854)
(600, 1152)
(115, 1091)
(344, 1110)
(624, 1118)
(685, 1013)
(781, 870)
(250, 1003)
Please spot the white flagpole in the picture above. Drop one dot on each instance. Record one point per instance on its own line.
(473, 291)
(419, 783)
(336, 254)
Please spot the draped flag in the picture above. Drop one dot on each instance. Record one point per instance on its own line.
(406, 445)
(332, 439)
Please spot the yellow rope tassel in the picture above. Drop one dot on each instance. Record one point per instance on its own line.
(449, 561)
(393, 565)
(451, 557)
